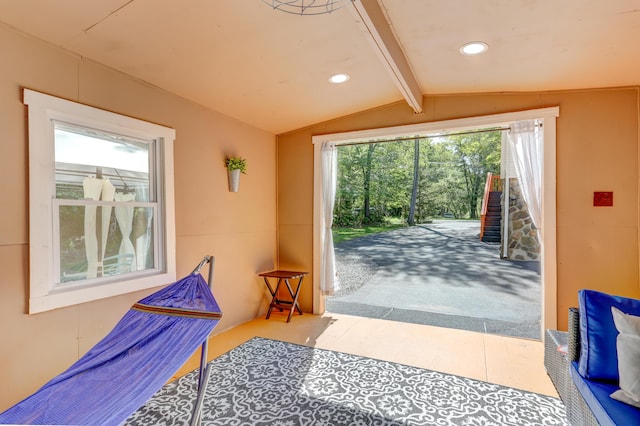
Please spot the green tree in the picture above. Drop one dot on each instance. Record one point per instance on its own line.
(366, 172)
(349, 189)
(477, 154)
(414, 179)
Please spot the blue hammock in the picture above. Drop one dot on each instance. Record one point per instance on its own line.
(120, 373)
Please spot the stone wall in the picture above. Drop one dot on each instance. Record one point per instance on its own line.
(523, 241)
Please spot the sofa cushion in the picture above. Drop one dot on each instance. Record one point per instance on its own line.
(606, 410)
(628, 347)
(598, 355)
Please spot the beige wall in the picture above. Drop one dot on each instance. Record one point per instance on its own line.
(239, 229)
(597, 150)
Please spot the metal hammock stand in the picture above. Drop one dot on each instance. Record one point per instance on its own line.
(203, 374)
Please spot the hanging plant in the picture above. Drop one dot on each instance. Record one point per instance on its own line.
(236, 163)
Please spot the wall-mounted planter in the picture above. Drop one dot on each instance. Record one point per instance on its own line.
(234, 180)
(235, 166)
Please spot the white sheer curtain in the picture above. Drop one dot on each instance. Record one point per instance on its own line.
(329, 282)
(92, 188)
(143, 228)
(108, 191)
(96, 189)
(526, 142)
(124, 217)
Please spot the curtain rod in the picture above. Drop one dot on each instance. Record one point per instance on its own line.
(468, 132)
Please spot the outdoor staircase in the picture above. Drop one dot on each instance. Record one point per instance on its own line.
(493, 218)
(491, 214)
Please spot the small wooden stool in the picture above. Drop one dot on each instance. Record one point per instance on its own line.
(284, 276)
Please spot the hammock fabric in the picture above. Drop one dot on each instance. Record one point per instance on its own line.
(120, 373)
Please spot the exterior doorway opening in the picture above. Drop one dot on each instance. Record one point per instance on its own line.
(425, 253)
(546, 299)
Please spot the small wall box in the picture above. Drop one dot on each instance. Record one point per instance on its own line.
(603, 199)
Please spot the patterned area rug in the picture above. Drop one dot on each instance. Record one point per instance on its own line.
(268, 382)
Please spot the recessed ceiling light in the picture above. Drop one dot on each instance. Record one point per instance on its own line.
(474, 48)
(339, 78)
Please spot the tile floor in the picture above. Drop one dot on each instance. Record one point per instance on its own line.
(503, 360)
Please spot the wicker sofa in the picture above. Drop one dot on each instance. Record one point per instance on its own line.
(587, 401)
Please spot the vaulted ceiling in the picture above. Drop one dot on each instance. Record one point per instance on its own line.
(270, 69)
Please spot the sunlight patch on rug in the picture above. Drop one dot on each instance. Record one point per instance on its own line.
(269, 382)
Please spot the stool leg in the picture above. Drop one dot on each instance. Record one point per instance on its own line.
(294, 298)
(274, 294)
(297, 294)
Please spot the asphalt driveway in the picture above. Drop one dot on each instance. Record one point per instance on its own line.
(438, 274)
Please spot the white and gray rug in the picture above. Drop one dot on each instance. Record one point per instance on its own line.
(268, 382)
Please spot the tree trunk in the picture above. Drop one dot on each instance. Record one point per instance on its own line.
(477, 195)
(414, 190)
(470, 199)
(367, 182)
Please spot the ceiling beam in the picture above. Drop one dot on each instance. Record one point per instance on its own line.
(384, 42)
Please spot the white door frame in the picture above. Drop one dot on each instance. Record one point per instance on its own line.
(547, 115)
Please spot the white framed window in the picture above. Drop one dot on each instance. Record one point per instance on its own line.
(101, 215)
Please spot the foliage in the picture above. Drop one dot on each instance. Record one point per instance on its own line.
(344, 234)
(477, 154)
(375, 181)
(236, 163)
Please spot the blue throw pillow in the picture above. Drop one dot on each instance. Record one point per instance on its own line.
(598, 333)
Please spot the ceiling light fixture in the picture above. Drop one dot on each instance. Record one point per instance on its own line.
(307, 7)
(474, 48)
(339, 78)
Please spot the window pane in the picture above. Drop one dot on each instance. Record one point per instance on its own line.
(101, 241)
(124, 162)
(116, 174)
